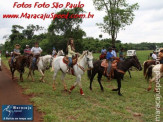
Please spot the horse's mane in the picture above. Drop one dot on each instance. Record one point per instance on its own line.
(82, 55)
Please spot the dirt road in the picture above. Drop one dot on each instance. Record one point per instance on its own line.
(11, 94)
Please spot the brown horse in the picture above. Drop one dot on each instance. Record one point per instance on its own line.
(18, 65)
(147, 64)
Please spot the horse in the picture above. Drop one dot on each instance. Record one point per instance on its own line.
(60, 53)
(154, 72)
(122, 67)
(86, 59)
(102, 56)
(7, 55)
(146, 64)
(44, 62)
(18, 65)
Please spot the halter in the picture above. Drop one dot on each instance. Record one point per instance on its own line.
(82, 68)
(136, 62)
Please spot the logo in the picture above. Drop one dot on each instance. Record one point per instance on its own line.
(17, 112)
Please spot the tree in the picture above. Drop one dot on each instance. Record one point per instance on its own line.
(67, 26)
(118, 14)
(29, 31)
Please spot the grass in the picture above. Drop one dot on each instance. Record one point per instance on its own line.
(95, 105)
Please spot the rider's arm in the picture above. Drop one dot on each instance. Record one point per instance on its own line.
(70, 50)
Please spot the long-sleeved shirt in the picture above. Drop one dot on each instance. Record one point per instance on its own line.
(70, 51)
(109, 56)
(103, 51)
(114, 53)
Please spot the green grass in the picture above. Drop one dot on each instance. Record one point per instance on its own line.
(95, 105)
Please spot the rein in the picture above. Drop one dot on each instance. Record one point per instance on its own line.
(82, 68)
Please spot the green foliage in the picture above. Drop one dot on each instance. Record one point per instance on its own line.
(118, 14)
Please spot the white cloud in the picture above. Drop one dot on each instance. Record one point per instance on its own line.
(146, 27)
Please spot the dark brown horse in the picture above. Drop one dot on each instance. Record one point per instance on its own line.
(7, 55)
(147, 64)
(18, 65)
(122, 67)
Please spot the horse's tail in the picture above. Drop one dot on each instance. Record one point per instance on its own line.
(89, 73)
(145, 67)
(149, 72)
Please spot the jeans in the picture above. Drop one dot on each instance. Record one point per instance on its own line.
(12, 60)
(33, 62)
(109, 66)
(70, 61)
(161, 61)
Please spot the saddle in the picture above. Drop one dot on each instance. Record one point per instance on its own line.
(113, 67)
(74, 60)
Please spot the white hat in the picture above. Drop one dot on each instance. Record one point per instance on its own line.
(27, 45)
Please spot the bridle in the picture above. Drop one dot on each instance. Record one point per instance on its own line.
(136, 63)
(82, 68)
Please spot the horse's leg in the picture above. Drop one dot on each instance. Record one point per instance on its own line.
(42, 74)
(129, 73)
(119, 86)
(31, 75)
(150, 83)
(80, 85)
(99, 81)
(62, 78)
(91, 79)
(13, 70)
(54, 78)
(72, 87)
(21, 76)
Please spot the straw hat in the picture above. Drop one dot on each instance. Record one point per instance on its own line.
(17, 45)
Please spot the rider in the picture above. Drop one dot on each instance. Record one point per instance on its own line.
(110, 57)
(16, 53)
(154, 56)
(114, 51)
(36, 51)
(54, 52)
(103, 51)
(71, 52)
(121, 54)
(160, 55)
(27, 50)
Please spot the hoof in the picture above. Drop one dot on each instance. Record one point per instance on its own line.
(65, 90)
(120, 94)
(54, 88)
(83, 94)
(69, 91)
(114, 89)
(90, 89)
(102, 90)
(149, 89)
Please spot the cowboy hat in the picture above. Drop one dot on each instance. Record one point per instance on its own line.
(17, 45)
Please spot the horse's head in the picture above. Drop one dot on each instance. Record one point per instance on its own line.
(136, 63)
(89, 59)
(60, 53)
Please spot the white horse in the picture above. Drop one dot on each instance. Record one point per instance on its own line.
(44, 62)
(155, 72)
(86, 59)
(60, 53)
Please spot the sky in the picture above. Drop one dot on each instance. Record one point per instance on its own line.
(146, 27)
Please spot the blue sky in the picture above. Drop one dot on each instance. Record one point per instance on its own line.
(146, 27)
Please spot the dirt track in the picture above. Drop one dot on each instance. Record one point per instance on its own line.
(11, 93)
